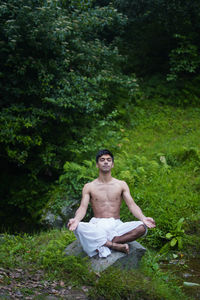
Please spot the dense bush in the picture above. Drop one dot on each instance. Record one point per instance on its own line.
(161, 42)
(59, 79)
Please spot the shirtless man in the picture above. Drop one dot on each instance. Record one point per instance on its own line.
(106, 231)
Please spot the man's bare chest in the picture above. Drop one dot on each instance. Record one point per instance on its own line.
(105, 192)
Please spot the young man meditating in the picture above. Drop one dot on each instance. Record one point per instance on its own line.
(106, 231)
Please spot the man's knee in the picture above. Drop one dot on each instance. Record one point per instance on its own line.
(142, 230)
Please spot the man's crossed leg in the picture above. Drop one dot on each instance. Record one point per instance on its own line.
(119, 243)
(104, 234)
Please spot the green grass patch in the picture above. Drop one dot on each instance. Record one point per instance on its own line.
(44, 254)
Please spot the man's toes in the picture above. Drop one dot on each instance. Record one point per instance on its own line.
(127, 248)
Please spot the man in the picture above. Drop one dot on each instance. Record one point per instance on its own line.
(106, 231)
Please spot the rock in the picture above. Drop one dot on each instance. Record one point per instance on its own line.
(119, 259)
(57, 218)
(53, 221)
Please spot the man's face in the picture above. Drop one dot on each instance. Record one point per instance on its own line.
(105, 163)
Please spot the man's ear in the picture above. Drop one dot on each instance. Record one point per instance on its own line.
(113, 165)
(97, 165)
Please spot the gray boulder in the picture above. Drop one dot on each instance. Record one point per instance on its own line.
(53, 221)
(57, 217)
(118, 259)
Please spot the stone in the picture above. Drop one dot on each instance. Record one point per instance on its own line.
(118, 259)
(53, 221)
(52, 218)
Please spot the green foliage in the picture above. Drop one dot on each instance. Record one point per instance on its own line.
(44, 251)
(161, 37)
(182, 92)
(76, 176)
(118, 284)
(67, 193)
(63, 84)
(183, 59)
(32, 248)
(159, 159)
(59, 78)
(175, 237)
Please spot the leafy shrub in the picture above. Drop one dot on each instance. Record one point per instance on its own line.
(60, 77)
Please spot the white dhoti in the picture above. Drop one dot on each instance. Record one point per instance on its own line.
(98, 231)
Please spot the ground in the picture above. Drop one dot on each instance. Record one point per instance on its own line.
(20, 284)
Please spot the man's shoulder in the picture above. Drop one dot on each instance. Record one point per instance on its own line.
(90, 184)
(118, 181)
(122, 183)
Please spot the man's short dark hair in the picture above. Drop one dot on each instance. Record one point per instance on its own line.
(104, 152)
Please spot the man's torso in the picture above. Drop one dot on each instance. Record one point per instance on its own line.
(106, 198)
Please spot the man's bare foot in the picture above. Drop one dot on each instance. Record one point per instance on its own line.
(120, 247)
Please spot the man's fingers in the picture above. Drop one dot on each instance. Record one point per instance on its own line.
(153, 225)
(70, 221)
(150, 223)
(72, 228)
(151, 220)
(72, 225)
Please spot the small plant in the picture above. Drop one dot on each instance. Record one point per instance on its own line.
(175, 238)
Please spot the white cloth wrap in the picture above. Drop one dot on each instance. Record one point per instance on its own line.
(98, 231)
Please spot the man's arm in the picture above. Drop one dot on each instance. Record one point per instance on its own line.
(134, 208)
(81, 211)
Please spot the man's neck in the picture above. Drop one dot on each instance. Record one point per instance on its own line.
(104, 177)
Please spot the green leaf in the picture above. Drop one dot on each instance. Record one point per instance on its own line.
(169, 235)
(165, 249)
(173, 242)
(180, 242)
(180, 223)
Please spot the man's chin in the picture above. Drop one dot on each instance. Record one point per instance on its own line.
(106, 170)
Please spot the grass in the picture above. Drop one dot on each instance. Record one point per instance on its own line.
(159, 157)
(161, 129)
(43, 254)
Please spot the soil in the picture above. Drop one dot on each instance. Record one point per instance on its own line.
(23, 284)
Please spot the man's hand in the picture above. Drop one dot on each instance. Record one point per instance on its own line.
(72, 224)
(149, 222)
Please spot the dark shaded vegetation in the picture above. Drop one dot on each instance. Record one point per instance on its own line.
(59, 79)
(68, 87)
